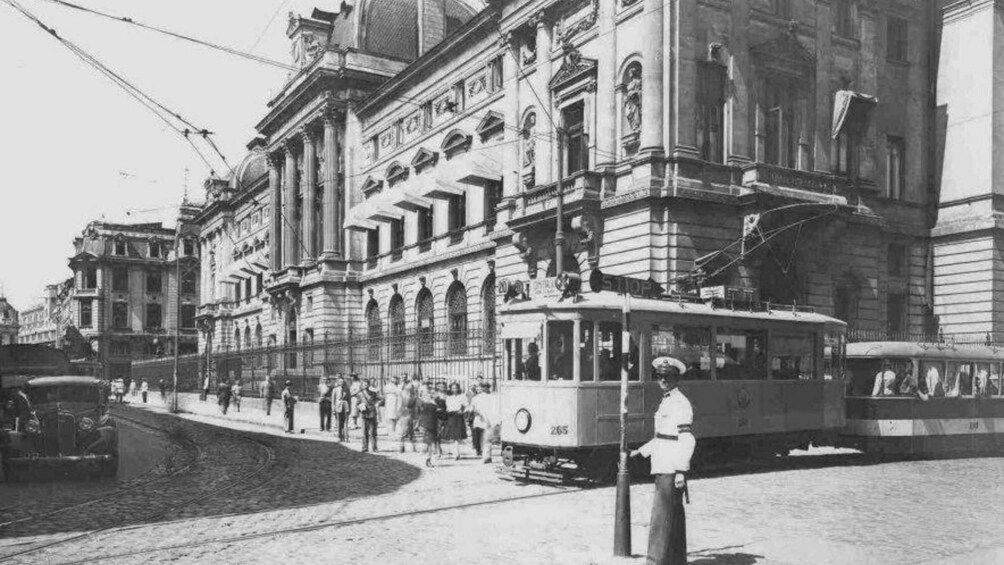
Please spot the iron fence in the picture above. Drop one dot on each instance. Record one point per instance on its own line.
(855, 335)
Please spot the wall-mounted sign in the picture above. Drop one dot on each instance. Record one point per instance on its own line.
(600, 282)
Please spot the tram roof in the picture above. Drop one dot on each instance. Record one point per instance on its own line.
(880, 349)
(608, 301)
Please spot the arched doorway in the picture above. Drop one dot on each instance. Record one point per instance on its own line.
(397, 327)
(374, 329)
(425, 312)
(456, 309)
(488, 315)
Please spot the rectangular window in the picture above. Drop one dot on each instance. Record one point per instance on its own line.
(188, 282)
(426, 116)
(690, 344)
(425, 228)
(459, 98)
(560, 350)
(522, 356)
(711, 112)
(896, 313)
(573, 118)
(90, 278)
(895, 151)
(495, 71)
(120, 315)
(188, 316)
(896, 260)
(154, 249)
(396, 238)
(493, 195)
(897, 37)
(154, 281)
(154, 316)
(120, 279)
(781, 102)
(845, 162)
(247, 288)
(610, 355)
(237, 291)
(843, 18)
(742, 354)
(587, 347)
(373, 243)
(188, 247)
(261, 282)
(120, 248)
(792, 356)
(86, 313)
(458, 213)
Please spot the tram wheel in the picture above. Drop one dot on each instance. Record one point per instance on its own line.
(600, 467)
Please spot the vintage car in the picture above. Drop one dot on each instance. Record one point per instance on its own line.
(58, 423)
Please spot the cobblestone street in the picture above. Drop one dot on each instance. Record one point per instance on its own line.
(317, 500)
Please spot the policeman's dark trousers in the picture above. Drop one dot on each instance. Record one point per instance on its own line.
(369, 433)
(667, 533)
(325, 408)
(341, 417)
(288, 418)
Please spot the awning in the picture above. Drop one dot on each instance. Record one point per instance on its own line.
(439, 188)
(356, 218)
(407, 196)
(479, 169)
(521, 329)
(851, 110)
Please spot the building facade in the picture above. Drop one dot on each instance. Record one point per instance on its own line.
(45, 323)
(9, 325)
(817, 152)
(125, 301)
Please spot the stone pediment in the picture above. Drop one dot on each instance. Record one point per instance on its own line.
(396, 173)
(490, 124)
(424, 158)
(371, 187)
(785, 52)
(574, 67)
(455, 142)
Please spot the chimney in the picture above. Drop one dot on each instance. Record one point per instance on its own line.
(431, 24)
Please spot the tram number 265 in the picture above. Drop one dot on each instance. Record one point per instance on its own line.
(559, 430)
(975, 425)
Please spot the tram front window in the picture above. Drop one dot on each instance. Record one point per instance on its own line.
(523, 358)
(611, 353)
(743, 354)
(560, 362)
(931, 378)
(586, 351)
(791, 356)
(690, 344)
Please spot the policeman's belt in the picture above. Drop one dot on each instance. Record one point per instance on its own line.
(683, 428)
(667, 436)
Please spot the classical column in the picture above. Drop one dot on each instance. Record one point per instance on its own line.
(275, 212)
(545, 144)
(607, 109)
(651, 81)
(869, 85)
(512, 160)
(332, 231)
(309, 181)
(289, 235)
(824, 90)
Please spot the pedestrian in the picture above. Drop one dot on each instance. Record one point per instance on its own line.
(118, 389)
(392, 404)
(440, 396)
(205, 388)
(144, 389)
(289, 403)
(455, 430)
(670, 450)
(324, 404)
(406, 416)
(266, 394)
(340, 405)
(132, 388)
(235, 394)
(162, 384)
(428, 420)
(482, 417)
(367, 407)
(223, 396)
(354, 387)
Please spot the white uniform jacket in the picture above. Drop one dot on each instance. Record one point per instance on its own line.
(673, 444)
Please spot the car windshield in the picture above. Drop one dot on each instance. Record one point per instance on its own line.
(42, 396)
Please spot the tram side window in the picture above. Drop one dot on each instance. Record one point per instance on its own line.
(586, 351)
(932, 382)
(982, 385)
(959, 379)
(611, 352)
(524, 358)
(743, 354)
(690, 344)
(792, 356)
(835, 345)
(559, 351)
(861, 375)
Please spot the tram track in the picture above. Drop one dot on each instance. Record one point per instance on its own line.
(266, 460)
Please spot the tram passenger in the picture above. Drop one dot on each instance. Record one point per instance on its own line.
(906, 383)
(531, 366)
(670, 452)
(933, 381)
(885, 381)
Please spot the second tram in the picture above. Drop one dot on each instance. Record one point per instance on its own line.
(760, 379)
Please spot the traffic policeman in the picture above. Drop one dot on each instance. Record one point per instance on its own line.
(670, 451)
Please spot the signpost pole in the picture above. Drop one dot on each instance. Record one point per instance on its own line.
(622, 512)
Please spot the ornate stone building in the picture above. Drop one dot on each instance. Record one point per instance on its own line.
(126, 287)
(9, 326)
(819, 152)
(45, 323)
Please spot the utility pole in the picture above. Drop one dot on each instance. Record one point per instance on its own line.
(622, 509)
(177, 311)
(559, 231)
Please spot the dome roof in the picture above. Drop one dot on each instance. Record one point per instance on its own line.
(390, 27)
(253, 167)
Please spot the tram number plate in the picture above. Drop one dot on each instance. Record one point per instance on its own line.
(742, 422)
(974, 425)
(559, 430)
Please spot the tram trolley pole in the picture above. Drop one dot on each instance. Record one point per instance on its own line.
(622, 511)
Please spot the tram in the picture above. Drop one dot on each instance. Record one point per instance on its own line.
(924, 399)
(760, 379)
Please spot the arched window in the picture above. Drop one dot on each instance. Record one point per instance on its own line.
(237, 338)
(456, 308)
(488, 315)
(397, 327)
(247, 337)
(258, 336)
(374, 330)
(426, 323)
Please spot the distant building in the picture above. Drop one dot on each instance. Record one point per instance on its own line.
(126, 285)
(45, 322)
(8, 322)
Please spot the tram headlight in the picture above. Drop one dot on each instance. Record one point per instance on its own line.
(85, 424)
(522, 420)
(32, 427)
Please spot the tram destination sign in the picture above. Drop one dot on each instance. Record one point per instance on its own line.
(600, 282)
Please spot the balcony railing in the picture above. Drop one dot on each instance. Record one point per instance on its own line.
(821, 183)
